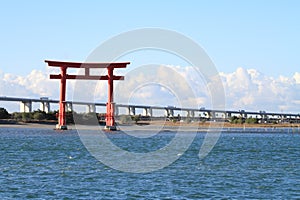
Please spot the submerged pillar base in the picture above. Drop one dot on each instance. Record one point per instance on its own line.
(110, 128)
(61, 127)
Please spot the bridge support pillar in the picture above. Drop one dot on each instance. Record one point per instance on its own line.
(69, 107)
(169, 112)
(228, 115)
(116, 110)
(191, 113)
(147, 112)
(264, 118)
(212, 115)
(131, 110)
(26, 106)
(91, 108)
(128, 111)
(45, 107)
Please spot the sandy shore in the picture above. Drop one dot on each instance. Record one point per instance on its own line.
(28, 125)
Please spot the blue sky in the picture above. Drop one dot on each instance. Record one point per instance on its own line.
(254, 44)
(263, 35)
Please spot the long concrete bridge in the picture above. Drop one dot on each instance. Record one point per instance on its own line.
(169, 111)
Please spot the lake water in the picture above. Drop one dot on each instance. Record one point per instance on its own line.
(46, 164)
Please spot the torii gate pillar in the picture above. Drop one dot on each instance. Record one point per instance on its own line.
(62, 100)
(110, 106)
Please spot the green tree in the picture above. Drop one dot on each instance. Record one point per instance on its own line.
(136, 118)
(17, 116)
(4, 114)
(70, 117)
(51, 115)
(251, 120)
(26, 116)
(236, 120)
(39, 116)
(125, 119)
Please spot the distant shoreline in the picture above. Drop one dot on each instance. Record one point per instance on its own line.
(153, 125)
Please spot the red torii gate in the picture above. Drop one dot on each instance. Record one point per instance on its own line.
(63, 76)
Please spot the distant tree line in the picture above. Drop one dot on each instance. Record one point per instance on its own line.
(36, 115)
(129, 119)
(241, 120)
(40, 116)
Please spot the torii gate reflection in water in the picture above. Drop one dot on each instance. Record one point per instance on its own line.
(63, 76)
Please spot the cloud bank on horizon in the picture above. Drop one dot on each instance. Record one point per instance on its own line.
(246, 89)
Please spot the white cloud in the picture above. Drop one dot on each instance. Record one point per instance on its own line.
(251, 90)
(160, 85)
(36, 84)
(246, 89)
(296, 77)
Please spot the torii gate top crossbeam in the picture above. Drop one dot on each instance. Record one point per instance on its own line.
(86, 65)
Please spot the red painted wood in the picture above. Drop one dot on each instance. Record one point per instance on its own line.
(110, 118)
(62, 99)
(83, 77)
(86, 65)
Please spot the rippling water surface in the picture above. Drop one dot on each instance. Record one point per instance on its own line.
(46, 164)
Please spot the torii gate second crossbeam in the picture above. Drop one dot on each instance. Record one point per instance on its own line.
(63, 76)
